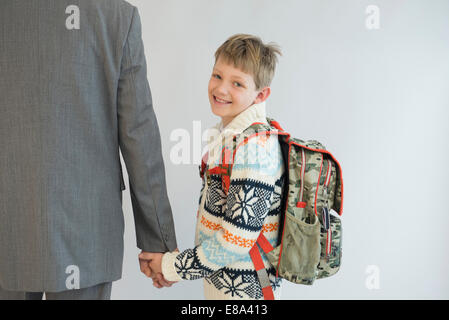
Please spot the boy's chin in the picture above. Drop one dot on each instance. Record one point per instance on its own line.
(220, 111)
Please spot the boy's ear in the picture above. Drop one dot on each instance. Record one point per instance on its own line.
(263, 95)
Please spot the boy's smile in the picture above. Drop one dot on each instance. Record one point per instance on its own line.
(232, 91)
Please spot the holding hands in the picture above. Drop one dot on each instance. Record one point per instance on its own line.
(151, 266)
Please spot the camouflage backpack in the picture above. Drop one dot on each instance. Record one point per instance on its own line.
(310, 243)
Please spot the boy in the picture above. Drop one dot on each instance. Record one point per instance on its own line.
(229, 223)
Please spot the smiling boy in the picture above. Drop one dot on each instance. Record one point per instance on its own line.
(230, 221)
(232, 91)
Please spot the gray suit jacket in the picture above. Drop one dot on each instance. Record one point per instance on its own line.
(73, 89)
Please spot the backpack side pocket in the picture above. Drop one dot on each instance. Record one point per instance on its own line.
(301, 248)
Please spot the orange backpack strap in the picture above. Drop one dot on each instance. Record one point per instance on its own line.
(226, 165)
(204, 164)
(262, 274)
(264, 244)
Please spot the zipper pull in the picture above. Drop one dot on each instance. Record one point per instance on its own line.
(326, 222)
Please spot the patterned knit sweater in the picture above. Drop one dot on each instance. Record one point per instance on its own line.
(228, 225)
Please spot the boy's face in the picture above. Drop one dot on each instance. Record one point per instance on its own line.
(231, 91)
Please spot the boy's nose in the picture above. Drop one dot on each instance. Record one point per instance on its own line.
(222, 90)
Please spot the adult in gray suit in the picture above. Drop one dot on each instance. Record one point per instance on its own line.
(73, 90)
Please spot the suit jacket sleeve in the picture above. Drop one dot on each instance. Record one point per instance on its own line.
(140, 143)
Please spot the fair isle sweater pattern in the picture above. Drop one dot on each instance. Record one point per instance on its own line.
(228, 225)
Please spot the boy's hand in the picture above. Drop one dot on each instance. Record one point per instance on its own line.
(153, 268)
(159, 281)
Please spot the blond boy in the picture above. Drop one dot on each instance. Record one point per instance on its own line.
(229, 223)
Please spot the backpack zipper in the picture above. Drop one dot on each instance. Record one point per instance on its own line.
(301, 203)
(326, 218)
(303, 172)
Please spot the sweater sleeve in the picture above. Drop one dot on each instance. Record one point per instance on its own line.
(249, 198)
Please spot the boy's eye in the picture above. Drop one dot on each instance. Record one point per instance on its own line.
(216, 76)
(237, 84)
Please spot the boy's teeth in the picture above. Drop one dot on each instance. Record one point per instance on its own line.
(219, 100)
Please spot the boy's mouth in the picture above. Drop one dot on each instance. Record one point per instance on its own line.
(221, 101)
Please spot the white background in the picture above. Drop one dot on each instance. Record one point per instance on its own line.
(377, 99)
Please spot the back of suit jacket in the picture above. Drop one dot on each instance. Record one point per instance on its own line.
(73, 90)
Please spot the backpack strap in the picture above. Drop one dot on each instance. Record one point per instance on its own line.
(203, 165)
(223, 169)
(262, 273)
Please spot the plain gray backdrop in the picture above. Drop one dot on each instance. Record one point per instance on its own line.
(376, 98)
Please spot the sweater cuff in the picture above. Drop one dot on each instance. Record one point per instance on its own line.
(168, 266)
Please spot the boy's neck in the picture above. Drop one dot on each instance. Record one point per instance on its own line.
(226, 120)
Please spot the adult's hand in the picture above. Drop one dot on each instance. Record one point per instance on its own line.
(145, 264)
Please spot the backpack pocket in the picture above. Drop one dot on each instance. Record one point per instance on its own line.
(330, 262)
(300, 252)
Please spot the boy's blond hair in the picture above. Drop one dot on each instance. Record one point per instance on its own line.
(251, 55)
